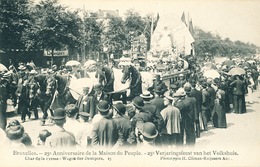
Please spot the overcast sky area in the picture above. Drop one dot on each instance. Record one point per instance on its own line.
(235, 19)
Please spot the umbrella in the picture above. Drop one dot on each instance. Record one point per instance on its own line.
(210, 65)
(229, 63)
(237, 71)
(72, 63)
(3, 68)
(89, 63)
(76, 86)
(211, 74)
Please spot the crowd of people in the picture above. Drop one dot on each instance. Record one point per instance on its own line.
(168, 116)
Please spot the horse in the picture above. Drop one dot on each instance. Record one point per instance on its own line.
(112, 87)
(130, 72)
(44, 94)
(61, 95)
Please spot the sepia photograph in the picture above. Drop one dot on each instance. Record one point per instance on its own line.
(129, 83)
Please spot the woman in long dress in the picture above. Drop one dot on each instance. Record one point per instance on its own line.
(219, 114)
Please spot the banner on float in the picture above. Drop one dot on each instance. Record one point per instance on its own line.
(56, 53)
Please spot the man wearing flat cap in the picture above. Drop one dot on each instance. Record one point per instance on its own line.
(183, 107)
(106, 132)
(60, 138)
(172, 118)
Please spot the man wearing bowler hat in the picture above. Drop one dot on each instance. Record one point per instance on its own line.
(122, 120)
(60, 138)
(140, 114)
(147, 133)
(158, 98)
(106, 132)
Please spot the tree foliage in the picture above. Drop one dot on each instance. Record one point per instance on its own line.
(53, 27)
(14, 19)
(207, 44)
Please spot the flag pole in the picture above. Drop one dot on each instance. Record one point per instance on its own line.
(151, 32)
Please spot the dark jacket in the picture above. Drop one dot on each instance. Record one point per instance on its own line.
(156, 115)
(158, 102)
(107, 133)
(198, 96)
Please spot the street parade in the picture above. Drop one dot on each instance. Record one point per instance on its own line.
(157, 93)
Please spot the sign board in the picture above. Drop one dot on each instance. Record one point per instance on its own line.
(56, 53)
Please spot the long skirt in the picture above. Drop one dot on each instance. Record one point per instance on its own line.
(219, 116)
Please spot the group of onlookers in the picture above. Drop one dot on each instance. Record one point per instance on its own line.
(167, 116)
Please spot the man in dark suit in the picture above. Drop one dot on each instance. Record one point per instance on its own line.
(122, 120)
(106, 132)
(205, 108)
(86, 103)
(153, 110)
(158, 82)
(239, 94)
(198, 96)
(212, 96)
(191, 116)
(158, 100)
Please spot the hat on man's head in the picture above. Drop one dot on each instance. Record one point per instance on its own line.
(84, 115)
(120, 108)
(71, 110)
(158, 89)
(103, 106)
(22, 67)
(204, 84)
(59, 114)
(14, 130)
(146, 95)
(148, 130)
(187, 89)
(179, 93)
(193, 83)
(98, 87)
(138, 102)
(33, 72)
(173, 86)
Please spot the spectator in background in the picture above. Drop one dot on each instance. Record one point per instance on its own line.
(158, 82)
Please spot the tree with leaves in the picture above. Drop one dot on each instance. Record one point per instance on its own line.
(53, 27)
(14, 19)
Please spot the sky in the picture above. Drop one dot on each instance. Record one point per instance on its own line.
(235, 19)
